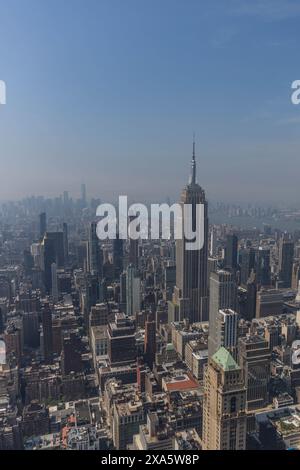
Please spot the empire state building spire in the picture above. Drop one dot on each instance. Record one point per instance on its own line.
(192, 179)
(190, 296)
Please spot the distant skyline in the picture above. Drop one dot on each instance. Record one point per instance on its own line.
(108, 93)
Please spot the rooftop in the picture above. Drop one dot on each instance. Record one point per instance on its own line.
(179, 383)
(224, 359)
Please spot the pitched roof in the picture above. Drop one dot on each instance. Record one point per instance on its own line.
(224, 359)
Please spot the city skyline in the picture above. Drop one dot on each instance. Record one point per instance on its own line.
(149, 229)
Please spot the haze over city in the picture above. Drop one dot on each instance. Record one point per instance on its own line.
(149, 231)
(110, 93)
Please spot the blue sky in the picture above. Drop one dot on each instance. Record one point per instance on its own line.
(109, 92)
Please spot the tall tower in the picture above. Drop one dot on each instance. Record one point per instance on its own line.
(231, 252)
(133, 248)
(255, 360)
(224, 416)
(286, 259)
(133, 291)
(263, 269)
(46, 315)
(118, 256)
(227, 330)
(94, 251)
(297, 299)
(54, 282)
(52, 252)
(190, 298)
(223, 294)
(296, 274)
(247, 264)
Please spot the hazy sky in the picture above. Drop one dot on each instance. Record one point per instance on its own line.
(109, 92)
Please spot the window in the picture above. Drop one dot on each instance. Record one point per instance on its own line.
(233, 405)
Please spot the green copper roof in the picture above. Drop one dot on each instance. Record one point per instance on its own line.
(225, 359)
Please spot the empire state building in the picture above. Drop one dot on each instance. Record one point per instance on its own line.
(190, 298)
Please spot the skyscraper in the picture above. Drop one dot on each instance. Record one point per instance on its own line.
(213, 242)
(263, 269)
(224, 417)
(94, 258)
(123, 290)
(227, 330)
(47, 334)
(118, 257)
(223, 295)
(53, 252)
(231, 252)
(296, 274)
(255, 359)
(247, 264)
(121, 340)
(133, 247)
(30, 327)
(286, 259)
(190, 298)
(169, 281)
(133, 291)
(54, 282)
